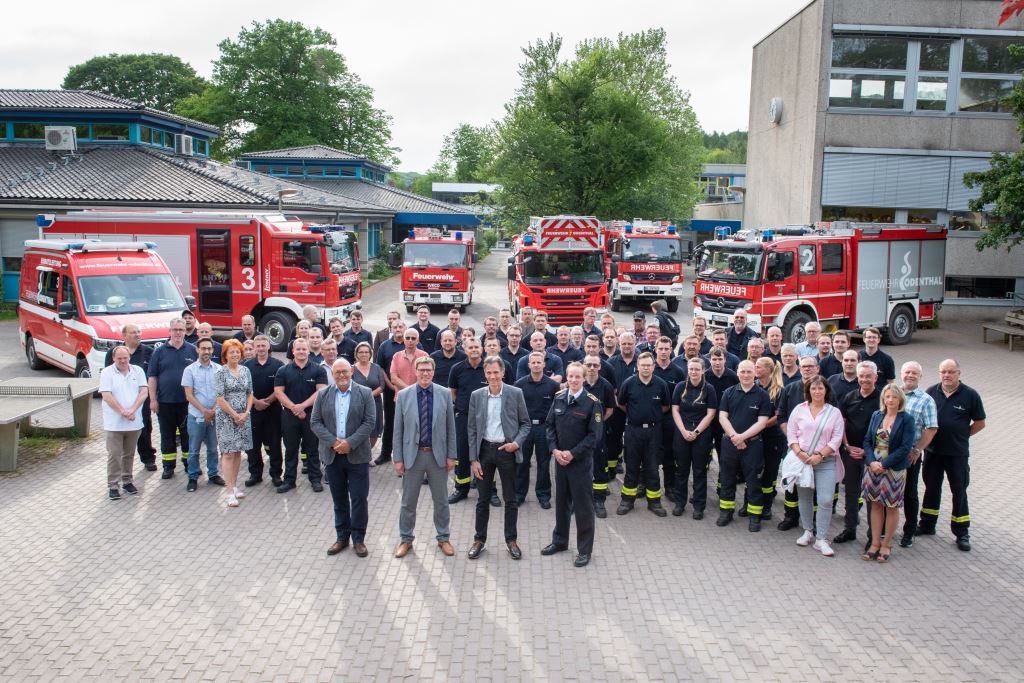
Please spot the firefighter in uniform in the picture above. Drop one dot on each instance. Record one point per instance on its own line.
(743, 413)
(594, 383)
(539, 392)
(624, 366)
(644, 398)
(961, 415)
(573, 428)
(266, 415)
(167, 397)
(466, 377)
(694, 403)
(671, 374)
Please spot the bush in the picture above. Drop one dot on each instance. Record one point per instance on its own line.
(486, 239)
(378, 269)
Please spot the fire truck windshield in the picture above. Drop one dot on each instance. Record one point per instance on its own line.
(341, 256)
(435, 255)
(650, 250)
(548, 267)
(727, 262)
(120, 294)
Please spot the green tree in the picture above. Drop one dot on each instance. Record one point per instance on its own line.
(726, 148)
(467, 153)
(608, 133)
(283, 84)
(155, 80)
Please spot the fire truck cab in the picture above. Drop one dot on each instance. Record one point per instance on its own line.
(234, 264)
(845, 275)
(558, 266)
(437, 269)
(646, 262)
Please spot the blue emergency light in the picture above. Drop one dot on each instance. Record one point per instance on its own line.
(412, 234)
(671, 229)
(458, 236)
(629, 229)
(528, 240)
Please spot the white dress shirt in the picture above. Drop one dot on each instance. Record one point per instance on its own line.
(494, 433)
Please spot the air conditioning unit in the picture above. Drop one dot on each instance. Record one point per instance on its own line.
(183, 145)
(61, 138)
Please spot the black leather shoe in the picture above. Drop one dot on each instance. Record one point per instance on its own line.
(130, 489)
(151, 467)
(788, 523)
(907, 541)
(679, 509)
(476, 549)
(551, 549)
(656, 507)
(168, 473)
(845, 536)
(545, 504)
(276, 481)
(457, 495)
(964, 542)
(581, 560)
(317, 487)
(743, 511)
(514, 550)
(381, 460)
(192, 485)
(754, 524)
(285, 487)
(625, 507)
(252, 481)
(767, 514)
(114, 494)
(671, 495)
(698, 515)
(724, 518)
(216, 480)
(495, 501)
(599, 508)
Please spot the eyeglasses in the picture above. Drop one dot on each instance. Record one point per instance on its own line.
(592, 365)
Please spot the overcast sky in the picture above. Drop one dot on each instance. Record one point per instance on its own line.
(433, 64)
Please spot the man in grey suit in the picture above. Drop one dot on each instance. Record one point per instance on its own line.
(343, 419)
(498, 424)
(424, 446)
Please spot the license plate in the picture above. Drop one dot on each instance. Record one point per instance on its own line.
(720, 319)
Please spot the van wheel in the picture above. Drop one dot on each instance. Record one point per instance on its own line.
(793, 330)
(901, 326)
(673, 305)
(82, 370)
(34, 361)
(278, 326)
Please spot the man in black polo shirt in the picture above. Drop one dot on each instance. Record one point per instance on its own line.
(191, 335)
(427, 330)
(721, 378)
(248, 331)
(644, 399)
(592, 347)
(492, 347)
(140, 355)
(718, 338)
(883, 362)
(552, 364)
(623, 364)
(671, 374)
(857, 408)
(539, 392)
(355, 332)
(700, 330)
(540, 323)
(743, 412)
(446, 357)
(466, 377)
(739, 334)
(385, 353)
(773, 343)
(491, 331)
(828, 364)
(266, 414)
(846, 381)
(296, 386)
(564, 350)
(167, 396)
(961, 415)
(513, 350)
(595, 384)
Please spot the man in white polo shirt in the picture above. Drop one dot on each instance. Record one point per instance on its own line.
(124, 389)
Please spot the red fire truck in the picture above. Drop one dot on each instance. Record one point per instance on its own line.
(846, 275)
(646, 262)
(261, 264)
(558, 266)
(437, 268)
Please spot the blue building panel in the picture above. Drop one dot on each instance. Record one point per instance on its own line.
(706, 225)
(436, 219)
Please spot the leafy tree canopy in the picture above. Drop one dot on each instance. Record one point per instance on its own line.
(156, 80)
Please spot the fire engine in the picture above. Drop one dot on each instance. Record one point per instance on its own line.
(234, 264)
(437, 268)
(558, 266)
(845, 275)
(646, 262)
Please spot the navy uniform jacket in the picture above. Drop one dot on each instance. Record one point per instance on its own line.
(576, 428)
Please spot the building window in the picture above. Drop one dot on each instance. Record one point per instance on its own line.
(261, 168)
(29, 131)
(980, 287)
(314, 170)
(3, 130)
(967, 220)
(921, 216)
(110, 131)
(865, 214)
(293, 170)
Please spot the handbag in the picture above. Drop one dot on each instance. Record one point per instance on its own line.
(794, 471)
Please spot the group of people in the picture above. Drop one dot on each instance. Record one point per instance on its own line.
(600, 399)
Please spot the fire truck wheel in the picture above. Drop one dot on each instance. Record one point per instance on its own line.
(278, 326)
(615, 304)
(34, 361)
(462, 309)
(82, 370)
(408, 308)
(901, 326)
(793, 329)
(673, 305)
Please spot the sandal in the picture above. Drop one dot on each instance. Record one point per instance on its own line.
(883, 554)
(868, 555)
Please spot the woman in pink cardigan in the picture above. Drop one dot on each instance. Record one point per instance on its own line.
(815, 416)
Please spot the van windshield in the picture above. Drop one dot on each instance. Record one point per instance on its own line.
(120, 294)
(740, 264)
(435, 254)
(567, 267)
(650, 250)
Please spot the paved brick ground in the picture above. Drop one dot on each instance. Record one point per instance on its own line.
(170, 586)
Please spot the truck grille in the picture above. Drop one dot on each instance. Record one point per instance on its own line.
(720, 304)
(567, 309)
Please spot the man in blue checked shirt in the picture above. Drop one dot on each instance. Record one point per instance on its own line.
(921, 407)
(197, 380)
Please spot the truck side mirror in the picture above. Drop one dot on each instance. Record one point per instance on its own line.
(475, 257)
(65, 310)
(511, 269)
(616, 258)
(615, 267)
(190, 301)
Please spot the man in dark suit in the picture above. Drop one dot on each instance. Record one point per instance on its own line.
(424, 446)
(498, 425)
(343, 419)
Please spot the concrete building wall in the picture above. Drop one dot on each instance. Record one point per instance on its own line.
(782, 185)
(962, 258)
(732, 211)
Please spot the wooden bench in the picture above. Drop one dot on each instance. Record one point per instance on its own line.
(1013, 327)
(23, 397)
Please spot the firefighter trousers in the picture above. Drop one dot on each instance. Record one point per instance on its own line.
(171, 419)
(911, 498)
(643, 448)
(693, 456)
(266, 432)
(852, 487)
(957, 470)
(387, 440)
(601, 473)
(614, 430)
(573, 498)
(535, 444)
(295, 432)
(463, 475)
(750, 463)
(774, 450)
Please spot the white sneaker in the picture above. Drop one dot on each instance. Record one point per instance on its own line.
(232, 501)
(824, 548)
(806, 539)
(239, 494)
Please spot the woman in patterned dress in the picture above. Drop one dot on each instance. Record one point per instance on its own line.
(234, 404)
(887, 447)
(369, 374)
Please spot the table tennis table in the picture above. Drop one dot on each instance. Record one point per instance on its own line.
(22, 397)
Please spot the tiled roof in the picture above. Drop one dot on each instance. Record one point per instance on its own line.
(304, 152)
(384, 195)
(83, 100)
(135, 174)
